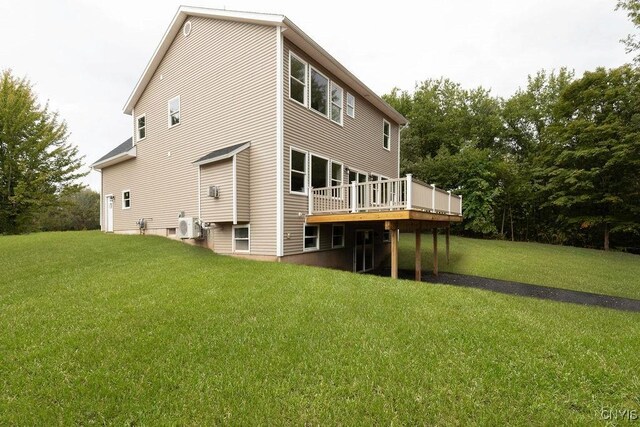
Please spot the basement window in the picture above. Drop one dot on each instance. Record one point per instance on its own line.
(311, 237)
(241, 238)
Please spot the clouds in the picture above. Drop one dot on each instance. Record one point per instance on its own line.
(86, 57)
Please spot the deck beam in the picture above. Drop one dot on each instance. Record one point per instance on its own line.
(399, 215)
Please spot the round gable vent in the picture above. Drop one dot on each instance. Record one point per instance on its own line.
(186, 30)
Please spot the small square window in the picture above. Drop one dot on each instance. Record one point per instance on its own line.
(311, 237)
(386, 236)
(241, 241)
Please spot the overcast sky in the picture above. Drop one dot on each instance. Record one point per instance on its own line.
(86, 56)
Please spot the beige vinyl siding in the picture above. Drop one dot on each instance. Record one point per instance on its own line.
(358, 144)
(243, 176)
(115, 179)
(224, 73)
(219, 174)
(222, 235)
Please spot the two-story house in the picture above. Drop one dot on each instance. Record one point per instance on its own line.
(250, 138)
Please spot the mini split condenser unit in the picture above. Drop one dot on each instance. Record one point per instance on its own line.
(189, 228)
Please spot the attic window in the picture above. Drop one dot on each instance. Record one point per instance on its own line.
(186, 30)
(174, 111)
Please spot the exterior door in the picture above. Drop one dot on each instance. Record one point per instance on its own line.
(108, 218)
(363, 251)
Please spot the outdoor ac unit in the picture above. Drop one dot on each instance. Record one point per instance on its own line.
(188, 228)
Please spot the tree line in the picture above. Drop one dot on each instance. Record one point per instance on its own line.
(557, 162)
(39, 168)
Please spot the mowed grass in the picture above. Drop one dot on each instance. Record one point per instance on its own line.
(108, 329)
(588, 270)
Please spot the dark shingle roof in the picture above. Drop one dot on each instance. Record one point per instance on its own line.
(122, 148)
(220, 153)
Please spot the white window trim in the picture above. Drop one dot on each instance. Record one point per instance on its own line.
(328, 114)
(306, 75)
(123, 206)
(344, 230)
(358, 171)
(333, 162)
(331, 103)
(304, 237)
(353, 106)
(138, 127)
(233, 238)
(388, 148)
(306, 172)
(169, 112)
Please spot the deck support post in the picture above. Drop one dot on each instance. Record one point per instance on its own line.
(434, 230)
(448, 230)
(393, 233)
(418, 255)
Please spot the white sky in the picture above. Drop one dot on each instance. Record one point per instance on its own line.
(86, 56)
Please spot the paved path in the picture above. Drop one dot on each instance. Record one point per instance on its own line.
(524, 289)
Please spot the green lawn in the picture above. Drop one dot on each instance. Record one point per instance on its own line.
(589, 270)
(107, 329)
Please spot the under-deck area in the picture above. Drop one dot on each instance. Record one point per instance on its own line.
(403, 204)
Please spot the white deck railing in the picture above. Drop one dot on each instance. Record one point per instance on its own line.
(392, 194)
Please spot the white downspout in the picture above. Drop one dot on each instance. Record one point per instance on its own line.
(279, 144)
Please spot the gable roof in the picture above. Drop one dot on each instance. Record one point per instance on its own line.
(122, 152)
(222, 153)
(293, 33)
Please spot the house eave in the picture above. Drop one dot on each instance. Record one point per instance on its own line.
(118, 158)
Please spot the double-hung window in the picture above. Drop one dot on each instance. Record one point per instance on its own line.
(336, 103)
(351, 105)
(311, 237)
(174, 111)
(241, 242)
(386, 135)
(126, 199)
(298, 176)
(141, 125)
(297, 79)
(336, 179)
(319, 92)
